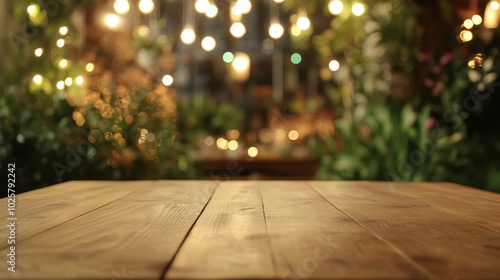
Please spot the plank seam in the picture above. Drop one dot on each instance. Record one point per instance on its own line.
(163, 275)
(398, 251)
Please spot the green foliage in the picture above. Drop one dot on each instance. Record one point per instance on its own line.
(201, 114)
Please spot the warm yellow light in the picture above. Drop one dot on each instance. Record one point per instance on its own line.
(245, 6)
(68, 81)
(209, 141)
(89, 67)
(121, 7)
(334, 65)
(293, 135)
(201, 6)
(60, 43)
(112, 20)
(335, 7)
(60, 85)
(303, 21)
(279, 1)
(146, 6)
(233, 145)
(63, 63)
(253, 151)
(477, 19)
(237, 29)
(233, 134)
(295, 30)
(276, 30)
(37, 79)
(468, 24)
(63, 30)
(32, 8)
(79, 80)
(188, 36)
(211, 11)
(167, 80)
(358, 9)
(222, 143)
(143, 31)
(494, 5)
(466, 35)
(38, 52)
(208, 43)
(241, 62)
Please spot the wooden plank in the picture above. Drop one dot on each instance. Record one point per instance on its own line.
(478, 206)
(229, 240)
(321, 242)
(449, 246)
(42, 209)
(134, 237)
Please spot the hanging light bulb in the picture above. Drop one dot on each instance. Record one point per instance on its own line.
(38, 52)
(237, 29)
(303, 21)
(335, 7)
(201, 6)
(245, 6)
(188, 35)
(358, 9)
(279, 1)
(477, 19)
(121, 7)
(208, 43)
(63, 30)
(111, 20)
(276, 30)
(334, 65)
(211, 11)
(146, 6)
(492, 15)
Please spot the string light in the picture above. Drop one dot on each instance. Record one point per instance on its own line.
(491, 15)
(279, 1)
(60, 85)
(79, 80)
(60, 43)
(167, 80)
(253, 152)
(295, 30)
(228, 57)
(112, 20)
(63, 30)
(63, 63)
(293, 135)
(276, 30)
(241, 62)
(146, 6)
(303, 21)
(468, 24)
(233, 145)
(208, 43)
(335, 7)
(68, 81)
(188, 36)
(295, 58)
(211, 11)
(477, 19)
(37, 79)
(237, 29)
(89, 67)
(466, 35)
(33, 8)
(358, 9)
(38, 52)
(334, 65)
(121, 7)
(201, 6)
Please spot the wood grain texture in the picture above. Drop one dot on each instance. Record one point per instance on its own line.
(320, 242)
(443, 243)
(44, 208)
(133, 237)
(229, 239)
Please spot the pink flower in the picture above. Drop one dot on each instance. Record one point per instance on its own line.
(430, 123)
(429, 83)
(445, 59)
(437, 89)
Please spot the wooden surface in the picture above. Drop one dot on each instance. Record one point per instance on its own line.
(255, 230)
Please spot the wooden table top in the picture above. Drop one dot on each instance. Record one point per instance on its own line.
(254, 230)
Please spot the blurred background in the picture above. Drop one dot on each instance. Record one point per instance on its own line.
(390, 90)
